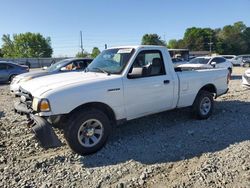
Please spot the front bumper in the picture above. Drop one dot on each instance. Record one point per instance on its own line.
(245, 81)
(14, 88)
(40, 127)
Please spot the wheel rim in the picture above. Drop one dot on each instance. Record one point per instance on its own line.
(205, 106)
(90, 133)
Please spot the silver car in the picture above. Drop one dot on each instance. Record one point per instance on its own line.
(241, 60)
(66, 65)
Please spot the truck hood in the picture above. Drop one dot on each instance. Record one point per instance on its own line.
(41, 85)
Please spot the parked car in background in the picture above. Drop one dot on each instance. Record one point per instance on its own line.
(66, 65)
(208, 62)
(241, 60)
(178, 61)
(228, 56)
(246, 78)
(8, 70)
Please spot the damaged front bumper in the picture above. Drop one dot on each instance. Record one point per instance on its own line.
(40, 126)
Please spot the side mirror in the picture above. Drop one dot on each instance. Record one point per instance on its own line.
(135, 73)
(213, 64)
(63, 69)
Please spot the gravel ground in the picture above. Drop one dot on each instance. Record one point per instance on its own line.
(168, 149)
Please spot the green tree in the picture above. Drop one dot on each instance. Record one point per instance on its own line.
(198, 39)
(173, 43)
(152, 39)
(82, 55)
(95, 52)
(26, 45)
(246, 37)
(1, 53)
(233, 39)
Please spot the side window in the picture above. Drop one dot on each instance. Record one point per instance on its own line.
(3, 67)
(221, 60)
(10, 67)
(147, 63)
(80, 65)
(88, 61)
(218, 60)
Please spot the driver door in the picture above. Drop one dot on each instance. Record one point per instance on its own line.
(147, 88)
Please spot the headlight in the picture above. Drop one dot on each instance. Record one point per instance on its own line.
(35, 104)
(41, 105)
(24, 79)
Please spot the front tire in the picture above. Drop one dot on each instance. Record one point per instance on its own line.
(87, 131)
(203, 105)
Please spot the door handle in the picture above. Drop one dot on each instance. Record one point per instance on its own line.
(166, 81)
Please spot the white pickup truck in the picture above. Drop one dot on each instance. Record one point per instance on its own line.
(121, 84)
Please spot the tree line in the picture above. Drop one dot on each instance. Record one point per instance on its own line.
(25, 45)
(231, 39)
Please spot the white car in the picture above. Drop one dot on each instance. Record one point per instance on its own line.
(229, 57)
(121, 84)
(246, 78)
(208, 62)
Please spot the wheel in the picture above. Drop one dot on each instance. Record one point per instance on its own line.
(229, 73)
(12, 77)
(247, 64)
(203, 105)
(87, 131)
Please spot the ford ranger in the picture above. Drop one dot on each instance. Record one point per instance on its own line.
(121, 84)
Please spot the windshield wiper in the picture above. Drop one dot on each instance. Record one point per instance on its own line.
(102, 70)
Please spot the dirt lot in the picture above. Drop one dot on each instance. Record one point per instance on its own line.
(169, 149)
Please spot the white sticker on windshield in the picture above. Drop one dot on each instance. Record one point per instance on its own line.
(125, 51)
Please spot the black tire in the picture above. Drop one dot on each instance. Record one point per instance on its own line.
(73, 128)
(12, 77)
(202, 97)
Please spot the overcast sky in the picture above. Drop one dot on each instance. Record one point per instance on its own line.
(115, 22)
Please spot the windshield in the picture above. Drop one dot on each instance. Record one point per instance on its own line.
(199, 61)
(111, 61)
(58, 65)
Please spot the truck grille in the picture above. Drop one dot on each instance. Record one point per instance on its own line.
(27, 95)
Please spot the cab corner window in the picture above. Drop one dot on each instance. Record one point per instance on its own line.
(146, 64)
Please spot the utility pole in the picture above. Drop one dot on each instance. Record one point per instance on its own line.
(105, 46)
(210, 45)
(81, 41)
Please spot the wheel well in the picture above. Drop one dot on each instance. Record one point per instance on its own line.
(210, 88)
(100, 106)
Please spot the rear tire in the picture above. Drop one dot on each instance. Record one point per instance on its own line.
(247, 64)
(203, 105)
(87, 131)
